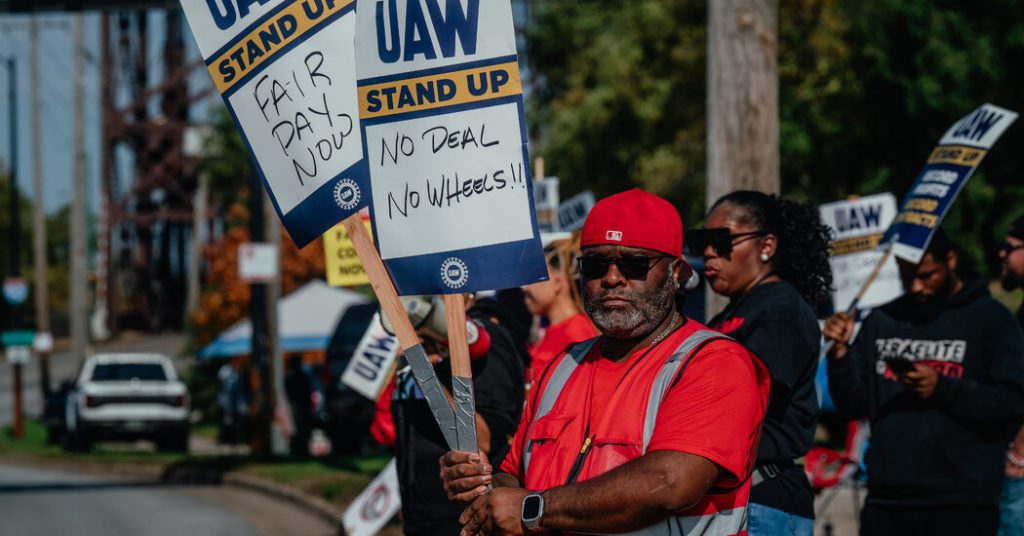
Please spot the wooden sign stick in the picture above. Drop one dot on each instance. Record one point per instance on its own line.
(392, 307)
(462, 373)
(864, 289)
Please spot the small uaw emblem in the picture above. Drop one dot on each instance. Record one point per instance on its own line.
(454, 272)
(347, 194)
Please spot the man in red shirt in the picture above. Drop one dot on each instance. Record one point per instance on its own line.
(651, 426)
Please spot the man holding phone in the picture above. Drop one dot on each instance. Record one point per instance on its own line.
(939, 373)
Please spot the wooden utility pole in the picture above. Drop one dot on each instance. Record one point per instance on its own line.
(42, 290)
(79, 314)
(14, 309)
(743, 101)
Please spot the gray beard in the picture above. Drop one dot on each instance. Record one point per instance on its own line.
(646, 314)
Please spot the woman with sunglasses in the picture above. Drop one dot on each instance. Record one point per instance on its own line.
(558, 299)
(769, 256)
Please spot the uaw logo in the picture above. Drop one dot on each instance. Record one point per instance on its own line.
(454, 272)
(347, 194)
(376, 506)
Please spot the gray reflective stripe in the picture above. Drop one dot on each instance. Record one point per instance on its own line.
(668, 373)
(725, 523)
(553, 388)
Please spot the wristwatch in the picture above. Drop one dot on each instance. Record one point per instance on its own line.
(533, 510)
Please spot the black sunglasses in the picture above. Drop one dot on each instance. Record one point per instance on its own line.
(633, 267)
(719, 238)
(1008, 248)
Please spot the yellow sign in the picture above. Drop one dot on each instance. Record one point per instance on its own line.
(343, 266)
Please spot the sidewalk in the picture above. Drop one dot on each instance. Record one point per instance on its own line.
(841, 515)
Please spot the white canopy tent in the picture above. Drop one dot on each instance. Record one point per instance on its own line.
(306, 321)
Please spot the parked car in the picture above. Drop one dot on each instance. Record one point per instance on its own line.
(127, 397)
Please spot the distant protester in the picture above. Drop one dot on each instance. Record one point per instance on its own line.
(939, 372)
(769, 256)
(650, 427)
(558, 300)
(1011, 506)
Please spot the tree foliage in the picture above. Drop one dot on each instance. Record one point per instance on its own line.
(866, 88)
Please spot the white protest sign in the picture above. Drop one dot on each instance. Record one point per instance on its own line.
(257, 262)
(859, 226)
(545, 200)
(573, 211)
(375, 506)
(371, 361)
(444, 135)
(286, 70)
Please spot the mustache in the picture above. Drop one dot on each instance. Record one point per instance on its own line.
(627, 295)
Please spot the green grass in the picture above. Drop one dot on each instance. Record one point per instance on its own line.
(337, 480)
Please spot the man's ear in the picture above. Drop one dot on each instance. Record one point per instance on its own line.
(951, 261)
(681, 271)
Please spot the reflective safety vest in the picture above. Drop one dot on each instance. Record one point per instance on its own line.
(560, 450)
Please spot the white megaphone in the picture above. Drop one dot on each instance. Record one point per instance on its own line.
(428, 316)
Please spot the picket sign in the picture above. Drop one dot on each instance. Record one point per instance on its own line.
(286, 71)
(341, 261)
(375, 506)
(858, 226)
(372, 361)
(950, 164)
(445, 140)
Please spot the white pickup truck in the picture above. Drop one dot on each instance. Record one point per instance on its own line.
(128, 397)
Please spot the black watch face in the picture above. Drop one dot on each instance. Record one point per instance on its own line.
(531, 507)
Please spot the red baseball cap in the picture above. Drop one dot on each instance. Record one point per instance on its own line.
(634, 218)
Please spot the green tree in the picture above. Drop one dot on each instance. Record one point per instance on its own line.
(867, 87)
(622, 96)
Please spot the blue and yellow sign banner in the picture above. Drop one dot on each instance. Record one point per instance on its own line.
(444, 137)
(286, 71)
(949, 166)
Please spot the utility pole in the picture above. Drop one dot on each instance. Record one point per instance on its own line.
(14, 310)
(743, 102)
(39, 264)
(261, 437)
(79, 313)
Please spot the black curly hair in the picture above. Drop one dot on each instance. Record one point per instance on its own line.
(802, 254)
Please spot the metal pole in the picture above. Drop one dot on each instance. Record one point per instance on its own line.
(39, 264)
(79, 313)
(272, 234)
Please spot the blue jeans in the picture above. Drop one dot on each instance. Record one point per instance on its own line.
(1011, 508)
(770, 521)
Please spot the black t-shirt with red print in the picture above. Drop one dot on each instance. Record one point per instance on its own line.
(775, 322)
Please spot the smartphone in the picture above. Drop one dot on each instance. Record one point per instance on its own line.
(899, 365)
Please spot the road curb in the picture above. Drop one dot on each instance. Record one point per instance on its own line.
(184, 475)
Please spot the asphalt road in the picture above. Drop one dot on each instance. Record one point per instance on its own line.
(44, 502)
(64, 366)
